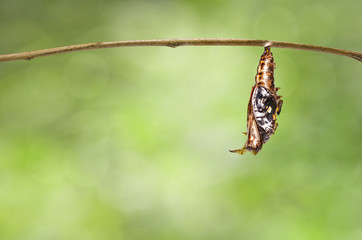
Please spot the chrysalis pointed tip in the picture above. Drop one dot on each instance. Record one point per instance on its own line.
(240, 151)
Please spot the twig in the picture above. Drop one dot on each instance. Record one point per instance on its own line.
(177, 43)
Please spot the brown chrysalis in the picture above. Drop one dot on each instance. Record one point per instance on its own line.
(264, 105)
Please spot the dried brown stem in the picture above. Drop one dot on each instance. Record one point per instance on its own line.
(177, 43)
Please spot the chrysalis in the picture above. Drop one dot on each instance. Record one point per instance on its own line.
(264, 105)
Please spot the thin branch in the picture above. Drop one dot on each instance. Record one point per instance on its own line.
(177, 43)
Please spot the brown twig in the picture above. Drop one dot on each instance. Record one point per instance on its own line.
(177, 43)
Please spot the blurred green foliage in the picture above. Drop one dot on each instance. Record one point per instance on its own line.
(133, 143)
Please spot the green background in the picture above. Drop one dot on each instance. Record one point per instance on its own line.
(132, 143)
